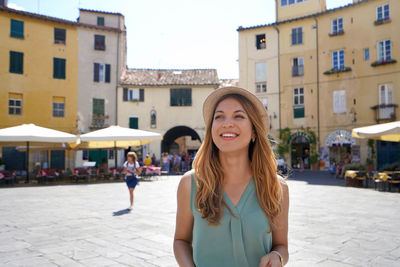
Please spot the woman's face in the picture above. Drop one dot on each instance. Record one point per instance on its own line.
(231, 127)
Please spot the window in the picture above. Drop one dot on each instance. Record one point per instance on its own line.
(384, 50)
(337, 26)
(98, 107)
(59, 36)
(338, 59)
(100, 21)
(17, 28)
(339, 101)
(99, 42)
(58, 106)
(297, 36)
(14, 104)
(59, 68)
(297, 66)
(386, 109)
(136, 95)
(134, 122)
(85, 155)
(102, 72)
(261, 77)
(265, 102)
(291, 2)
(181, 97)
(125, 94)
(366, 54)
(382, 13)
(16, 62)
(260, 41)
(110, 154)
(298, 102)
(385, 94)
(98, 120)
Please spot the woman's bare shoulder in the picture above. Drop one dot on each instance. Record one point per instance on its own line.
(283, 183)
(186, 181)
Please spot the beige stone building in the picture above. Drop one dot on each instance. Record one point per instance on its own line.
(102, 56)
(338, 70)
(168, 102)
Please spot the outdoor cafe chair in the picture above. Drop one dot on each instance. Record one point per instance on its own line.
(394, 179)
(360, 177)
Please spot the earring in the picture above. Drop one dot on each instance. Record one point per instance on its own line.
(253, 139)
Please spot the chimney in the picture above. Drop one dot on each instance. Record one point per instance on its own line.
(3, 3)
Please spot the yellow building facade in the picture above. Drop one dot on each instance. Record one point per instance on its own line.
(38, 70)
(338, 70)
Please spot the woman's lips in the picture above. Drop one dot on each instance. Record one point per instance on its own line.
(229, 136)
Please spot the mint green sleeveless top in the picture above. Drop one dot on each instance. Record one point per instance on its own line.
(240, 241)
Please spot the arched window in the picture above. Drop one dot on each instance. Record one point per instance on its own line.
(153, 118)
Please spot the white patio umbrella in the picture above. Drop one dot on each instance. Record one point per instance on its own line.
(117, 137)
(385, 132)
(31, 133)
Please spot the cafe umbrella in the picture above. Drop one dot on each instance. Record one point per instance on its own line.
(116, 137)
(31, 134)
(385, 132)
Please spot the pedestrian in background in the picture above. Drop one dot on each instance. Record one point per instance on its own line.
(233, 208)
(131, 170)
(147, 160)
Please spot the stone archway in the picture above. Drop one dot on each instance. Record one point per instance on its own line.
(176, 135)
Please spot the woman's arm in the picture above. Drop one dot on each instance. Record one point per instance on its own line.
(184, 224)
(279, 234)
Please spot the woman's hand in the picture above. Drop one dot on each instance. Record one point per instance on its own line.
(270, 260)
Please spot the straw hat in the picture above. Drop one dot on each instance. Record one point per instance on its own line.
(209, 104)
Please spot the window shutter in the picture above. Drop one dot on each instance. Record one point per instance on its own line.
(108, 71)
(293, 36)
(63, 68)
(141, 95)
(96, 72)
(300, 35)
(125, 94)
(342, 101)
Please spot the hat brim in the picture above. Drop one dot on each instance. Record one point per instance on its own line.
(210, 103)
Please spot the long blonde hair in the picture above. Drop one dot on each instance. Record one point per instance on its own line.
(209, 175)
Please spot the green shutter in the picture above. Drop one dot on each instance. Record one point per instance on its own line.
(100, 21)
(17, 28)
(59, 68)
(98, 107)
(16, 62)
(134, 123)
(298, 112)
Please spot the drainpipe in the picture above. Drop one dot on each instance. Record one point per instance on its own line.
(279, 76)
(116, 93)
(317, 59)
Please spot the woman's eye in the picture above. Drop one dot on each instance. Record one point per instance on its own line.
(239, 116)
(217, 117)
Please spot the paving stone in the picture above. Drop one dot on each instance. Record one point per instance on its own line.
(330, 224)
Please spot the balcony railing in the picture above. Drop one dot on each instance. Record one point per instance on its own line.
(99, 122)
(297, 71)
(385, 112)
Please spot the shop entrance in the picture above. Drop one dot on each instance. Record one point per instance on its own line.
(300, 153)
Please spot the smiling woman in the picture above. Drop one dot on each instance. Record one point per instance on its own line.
(233, 208)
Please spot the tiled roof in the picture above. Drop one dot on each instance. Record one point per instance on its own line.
(163, 77)
(57, 20)
(228, 82)
(98, 11)
(241, 28)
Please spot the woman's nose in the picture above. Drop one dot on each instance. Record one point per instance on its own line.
(227, 123)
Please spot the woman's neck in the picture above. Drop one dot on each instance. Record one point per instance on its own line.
(236, 167)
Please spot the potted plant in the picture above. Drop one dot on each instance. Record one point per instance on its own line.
(314, 161)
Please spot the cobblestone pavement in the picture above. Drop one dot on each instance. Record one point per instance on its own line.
(87, 225)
